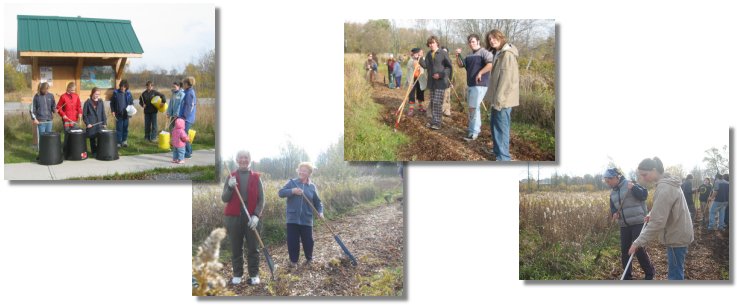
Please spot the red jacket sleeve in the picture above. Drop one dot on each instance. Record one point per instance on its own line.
(79, 106)
(60, 106)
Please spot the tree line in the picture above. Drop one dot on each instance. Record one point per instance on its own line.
(715, 160)
(329, 164)
(203, 69)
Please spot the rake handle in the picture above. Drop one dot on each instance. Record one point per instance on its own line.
(309, 202)
(400, 111)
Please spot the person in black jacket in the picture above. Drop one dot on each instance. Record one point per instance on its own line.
(95, 119)
(150, 111)
(439, 69)
(688, 189)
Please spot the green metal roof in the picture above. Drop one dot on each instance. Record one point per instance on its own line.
(76, 34)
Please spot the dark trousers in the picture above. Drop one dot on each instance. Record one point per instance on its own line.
(121, 128)
(627, 235)
(93, 143)
(295, 233)
(149, 122)
(416, 94)
(691, 209)
(238, 230)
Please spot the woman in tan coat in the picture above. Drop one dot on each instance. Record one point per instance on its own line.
(669, 220)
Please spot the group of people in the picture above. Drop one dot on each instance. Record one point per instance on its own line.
(492, 75)
(93, 117)
(242, 219)
(714, 201)
(670, 220)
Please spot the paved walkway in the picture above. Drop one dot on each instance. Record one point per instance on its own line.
(94, 167)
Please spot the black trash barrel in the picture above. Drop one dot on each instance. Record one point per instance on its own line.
(49, 152)
(107, 148)
(75, 145)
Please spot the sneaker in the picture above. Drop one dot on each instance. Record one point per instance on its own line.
(125, 143)
(253, 280)
(188, 157)
(308, 262)
(293, 265)
(470, 138)
(432, 126)
(422, 110)
(175, 161)
(236, 280)
(180, 161)
(411, 112)
(118, 145)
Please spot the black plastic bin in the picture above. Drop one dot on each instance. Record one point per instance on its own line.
(49, 152)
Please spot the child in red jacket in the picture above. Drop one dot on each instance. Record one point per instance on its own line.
(179, 139)
(70, 107)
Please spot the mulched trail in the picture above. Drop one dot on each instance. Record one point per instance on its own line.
(375, 237)
(707, 256)
(446, 144)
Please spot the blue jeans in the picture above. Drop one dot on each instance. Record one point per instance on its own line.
(501, 121)
(42, 128)
(676, 262)
(178, 153)
(398, 81)
(721, 208)
(150, 126)
(475, 95)
(121, 128)
(295, 233)
(188, 147)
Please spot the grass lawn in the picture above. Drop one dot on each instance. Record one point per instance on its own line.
(19, 145)
(199, 173)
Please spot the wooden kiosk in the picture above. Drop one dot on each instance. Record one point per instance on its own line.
(87, 51)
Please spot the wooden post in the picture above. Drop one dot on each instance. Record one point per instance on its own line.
(78, 74)
(35, 79)
(119, 68)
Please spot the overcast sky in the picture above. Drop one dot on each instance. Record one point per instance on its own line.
(589, 151)
(171, 35)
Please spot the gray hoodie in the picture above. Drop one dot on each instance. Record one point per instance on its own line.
(670, 220)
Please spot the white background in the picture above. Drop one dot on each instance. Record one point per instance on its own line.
(645, 65)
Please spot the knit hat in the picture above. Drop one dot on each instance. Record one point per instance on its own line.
(611, 173)
(415, 50)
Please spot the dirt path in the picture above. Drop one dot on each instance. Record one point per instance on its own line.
(707, 257)
(374, 236)
(446, 144)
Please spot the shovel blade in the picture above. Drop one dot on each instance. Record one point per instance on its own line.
(345, 250)
(269, 263)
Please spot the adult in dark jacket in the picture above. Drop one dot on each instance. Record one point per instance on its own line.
(439, 68)
(239, 225)
(188, 110)
(627, 205)
(94, 117)
(122, 98)
(687, 188)
(704, 192)
(150, 111)
(42, 110)
(299, 213)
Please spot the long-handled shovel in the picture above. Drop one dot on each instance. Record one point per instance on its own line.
(629, 262)
(337, 238)
(400, 111)
(269, 261)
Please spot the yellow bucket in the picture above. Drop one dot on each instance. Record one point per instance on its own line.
(191, 135)
(164, 139)
(156, 101)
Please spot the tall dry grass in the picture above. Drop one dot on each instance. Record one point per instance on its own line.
(338, 198)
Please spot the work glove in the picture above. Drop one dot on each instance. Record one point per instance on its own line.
(253, 223)
(232, 182)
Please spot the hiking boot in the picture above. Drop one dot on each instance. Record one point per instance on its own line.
(470, 138)
(411, 112)
(253, 280)
(236, 280)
